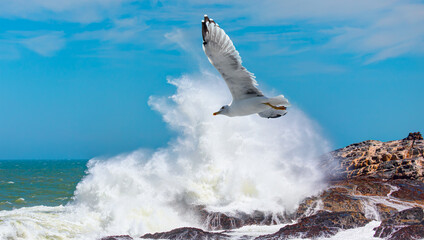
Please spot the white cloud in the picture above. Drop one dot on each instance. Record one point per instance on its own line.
(126, 30)
(180, 38)
(83, 11)
(374, 30)
(320, 11)
(45, 44)
(397, 31)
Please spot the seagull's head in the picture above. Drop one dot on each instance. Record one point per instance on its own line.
(223, 110)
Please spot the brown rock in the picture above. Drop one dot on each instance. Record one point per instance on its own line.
(409, 233)
(409, 190)
(339, 202)
(187, 234)
(384, 160)
(351, 195)
(322, 224)
(398, 221)
(226, 221)
(308, 207)
(414, 136)
(385, 212)
(120, 237)
(386, 157)
(365, 186)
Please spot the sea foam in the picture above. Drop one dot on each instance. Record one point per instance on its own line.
(225, 164)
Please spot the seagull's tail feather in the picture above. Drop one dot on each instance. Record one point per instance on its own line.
(272, 113)
(279, 100)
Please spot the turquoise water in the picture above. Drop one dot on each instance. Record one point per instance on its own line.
(25, 183)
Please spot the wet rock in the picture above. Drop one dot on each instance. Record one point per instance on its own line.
(409, 217)
(322, 224)
(409, 190)
(308, 207)
(120, 237)
(339, 202)
(367, 186)
(385, 212)
(226, 221)
(348, 195)
(187, 234)
(409, 233)
(394, 226)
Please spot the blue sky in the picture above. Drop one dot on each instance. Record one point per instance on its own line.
(75, 76)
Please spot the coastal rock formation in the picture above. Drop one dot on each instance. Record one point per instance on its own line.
(120, 237)
(381, 180)
(383, 160)
(414, 136)
(322, 224)
(406, 224)
(370, 180)
(187, 233)
(226, 221)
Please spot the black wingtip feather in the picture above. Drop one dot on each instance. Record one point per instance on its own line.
(204, 28)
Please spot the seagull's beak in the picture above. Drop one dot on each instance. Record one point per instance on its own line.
(216, 113)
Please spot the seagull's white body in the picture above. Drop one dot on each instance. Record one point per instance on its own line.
(247, 98)
(247, 106)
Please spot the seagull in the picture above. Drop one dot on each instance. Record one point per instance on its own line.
(247, 98)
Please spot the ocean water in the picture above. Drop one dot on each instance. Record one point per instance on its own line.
(26, 183)
(225, 164)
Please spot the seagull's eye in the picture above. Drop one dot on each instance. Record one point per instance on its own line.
(222, 108)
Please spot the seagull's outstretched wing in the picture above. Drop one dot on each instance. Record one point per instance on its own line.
(225, 58)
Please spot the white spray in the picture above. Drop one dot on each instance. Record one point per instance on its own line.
(226, 164)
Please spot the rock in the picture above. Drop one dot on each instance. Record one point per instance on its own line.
(352, 195)
(308, 207)
(409, 233)
(394, 225)
(339, 202)
(120, 237)
(384, 211)
(414, 136)
(298, 231)
(226, 221)
(409, 190)
(383, 160)
(409, 217)
(322, 224)
(362, 186)
(187, 233)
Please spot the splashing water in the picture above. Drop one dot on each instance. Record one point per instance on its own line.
(225, 164)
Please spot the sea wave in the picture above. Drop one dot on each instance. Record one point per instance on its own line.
(225, 164)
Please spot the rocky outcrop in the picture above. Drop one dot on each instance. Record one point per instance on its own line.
(187, 233)
(383, 160)
(226, 221)
(322, 224)
(406, 224)
(120, 237)
(414, 136)
(379, 180)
